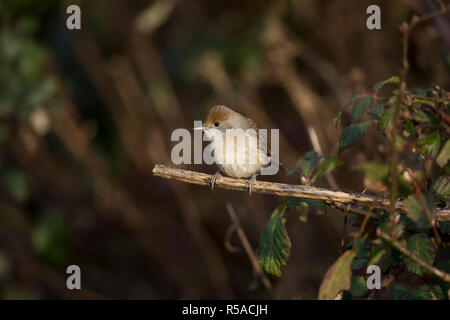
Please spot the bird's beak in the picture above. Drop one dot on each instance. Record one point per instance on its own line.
(201, 128)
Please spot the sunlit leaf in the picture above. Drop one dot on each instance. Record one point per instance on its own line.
(387, 116)
(380, 84)
(337, 277)
(444, 155)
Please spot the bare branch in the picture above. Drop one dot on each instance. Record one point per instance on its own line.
(286, 190)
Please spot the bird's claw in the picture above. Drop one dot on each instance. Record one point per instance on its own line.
(212, 180)
(250, 183)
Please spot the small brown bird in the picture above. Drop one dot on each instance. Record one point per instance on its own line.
(246, 157)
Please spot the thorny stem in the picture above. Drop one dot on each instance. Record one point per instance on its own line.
(406, 30)
(423, 203)
(397, 245)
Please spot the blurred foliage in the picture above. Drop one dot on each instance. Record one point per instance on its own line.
(84, 116)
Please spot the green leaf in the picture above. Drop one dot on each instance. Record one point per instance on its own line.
(316, 204)
(304, 209)
(398, 292)
(358, 287)
(421, 245)
(359, 108)
(337, 277)
(410, 128)
(444, 227)
(358, 263)
(429, 145)
(16, 184)
(274, 247)
(441, 189)
(309, 163)
(51, 238)
(417, 213)
(362, 251)
(374, 171)
(377, 110)
(426, 292)
(425, 118)
(382, 124)
(375, 255)
(279, 209)
(444, 155)
(380, 84)
(327, 165)
(338, 116)
(352, 134)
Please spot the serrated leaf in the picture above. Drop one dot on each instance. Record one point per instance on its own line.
(417, 213)
(387, 116)
(374, 171)
(358, 287)
(380, 84)
(441, 189)
(444, 155)
(327, 165)
(426, 292)
(352, 134)
(398, 292)
(429, 145)
(338, 116)
(309, 163)
(421, 245)
(337, 277)
(425, 117)
(377, 110)
(274, 247)
(359, 108)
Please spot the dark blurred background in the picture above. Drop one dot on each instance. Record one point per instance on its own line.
(86, 114)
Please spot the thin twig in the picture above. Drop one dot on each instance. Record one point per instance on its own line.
(285, 190)
(248, 248)
(424, 204)
(406, 30)
(396, 244)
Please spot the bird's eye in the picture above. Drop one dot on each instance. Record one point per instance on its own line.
(217, 124)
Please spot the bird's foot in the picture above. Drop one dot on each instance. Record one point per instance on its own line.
(250, 183)
(212, 180)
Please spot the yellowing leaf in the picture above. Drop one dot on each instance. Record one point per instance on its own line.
(337, 277)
